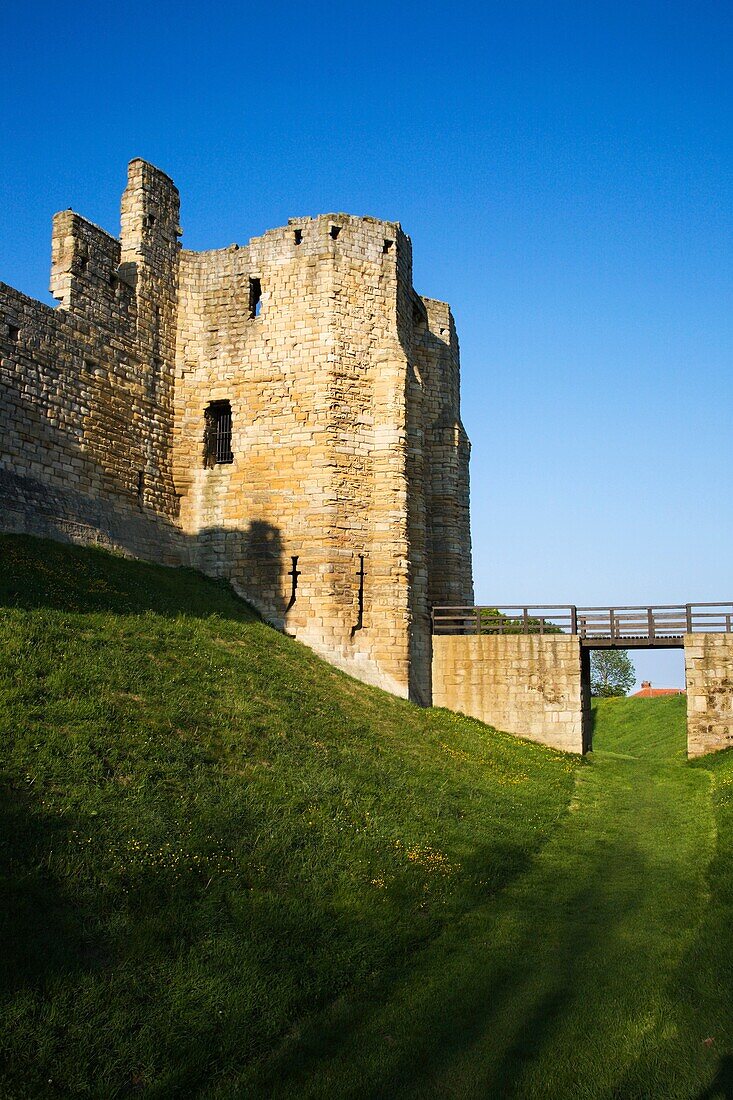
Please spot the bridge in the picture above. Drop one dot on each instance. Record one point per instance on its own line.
(658, 627)
(526, 669)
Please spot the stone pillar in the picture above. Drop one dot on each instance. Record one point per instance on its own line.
(149, 255)
(709, 675)
(529, 685)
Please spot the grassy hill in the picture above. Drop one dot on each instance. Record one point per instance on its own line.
(209, 836)
(228, 870)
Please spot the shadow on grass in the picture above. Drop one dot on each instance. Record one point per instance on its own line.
(56, 931)
(43, 929)
(721, 1087)
(593, 723)
(481, 1004)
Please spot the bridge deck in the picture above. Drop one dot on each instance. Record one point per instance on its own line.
(658, 627)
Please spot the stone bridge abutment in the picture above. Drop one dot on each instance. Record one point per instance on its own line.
(530, 676)
(709, 681)
(524, 684)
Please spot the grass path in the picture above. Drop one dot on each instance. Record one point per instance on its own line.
(570, 987)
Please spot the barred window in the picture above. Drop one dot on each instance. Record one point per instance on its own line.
(218, 433)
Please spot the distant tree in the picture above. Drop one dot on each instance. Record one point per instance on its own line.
(611, 672)
(494, 621)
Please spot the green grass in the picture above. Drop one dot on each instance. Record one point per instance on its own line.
(209, 836)
(231, 871)
(600, 972)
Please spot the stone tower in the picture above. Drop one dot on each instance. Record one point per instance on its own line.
(284, 415)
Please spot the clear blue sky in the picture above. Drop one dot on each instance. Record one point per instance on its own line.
(565, 171)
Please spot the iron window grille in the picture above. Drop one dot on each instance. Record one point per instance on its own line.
(218, 433)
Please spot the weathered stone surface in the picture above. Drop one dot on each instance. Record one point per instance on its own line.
(529, 685)
(709, 676)
(348, 449)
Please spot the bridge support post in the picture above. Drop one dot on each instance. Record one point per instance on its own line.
(709, 676)
(585, 699)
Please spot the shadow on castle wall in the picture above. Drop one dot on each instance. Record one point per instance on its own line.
(159, 589)
(251, 560)
(429, 358)
(88, 506)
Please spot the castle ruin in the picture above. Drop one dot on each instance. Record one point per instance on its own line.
(284, 415)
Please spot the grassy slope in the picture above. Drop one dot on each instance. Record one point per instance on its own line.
(232, 871)
(598, 973)
(210, 838)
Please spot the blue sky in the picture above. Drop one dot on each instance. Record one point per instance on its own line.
(565, 172)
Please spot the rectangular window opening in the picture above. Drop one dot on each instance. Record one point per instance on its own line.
(335, 230)
(419, 314)
(218, 433)
(255, 297)
(140, 484)
(298, 236)
(387, 246)
(13, 334)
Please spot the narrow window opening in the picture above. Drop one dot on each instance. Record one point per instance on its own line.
(360, 615)
(13, 334)
(149, 221)
(293, 574)
(218, 433)
(83, 263)
(113, 281)
(156, 375)
(89, 366)
(387, 246)
(255, 297)
(140, 484)
(298, 234)
(156, 329)
(335, 230)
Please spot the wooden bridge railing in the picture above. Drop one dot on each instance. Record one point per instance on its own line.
(505, 620)
(622, 627)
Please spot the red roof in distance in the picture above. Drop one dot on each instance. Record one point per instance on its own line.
(648, 692)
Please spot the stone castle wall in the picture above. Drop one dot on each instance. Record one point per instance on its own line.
(335, 388)
(348, 453)
(535, 686)
(85, 389)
